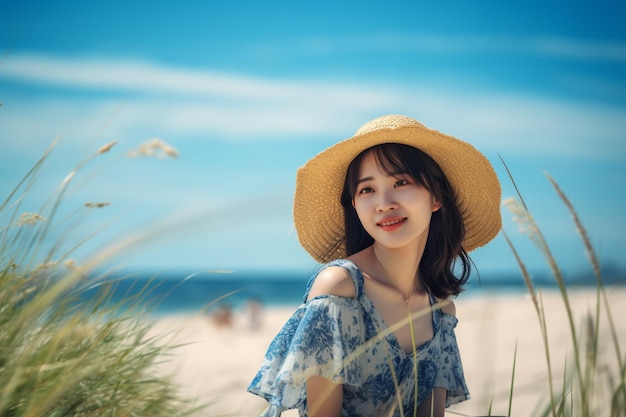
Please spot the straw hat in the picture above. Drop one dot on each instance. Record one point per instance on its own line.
(317, 211)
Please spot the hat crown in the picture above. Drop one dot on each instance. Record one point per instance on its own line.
(392, 121)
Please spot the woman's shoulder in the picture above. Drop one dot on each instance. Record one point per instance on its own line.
(447, 306)
(333, 280)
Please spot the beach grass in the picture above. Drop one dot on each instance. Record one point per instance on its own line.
(593, 381)
(61, 354)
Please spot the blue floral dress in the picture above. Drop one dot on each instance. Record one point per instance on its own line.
(346, 341)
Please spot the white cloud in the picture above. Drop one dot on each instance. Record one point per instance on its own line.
(181, 103)
(532, 125)
(130, 76)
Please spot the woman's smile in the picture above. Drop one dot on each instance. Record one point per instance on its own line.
(391, 223)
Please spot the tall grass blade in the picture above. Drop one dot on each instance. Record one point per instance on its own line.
(538, 304)
(530, 227)
(517, 191)
(593, 259)
(512, 381)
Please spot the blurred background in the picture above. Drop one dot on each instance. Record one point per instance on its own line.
(246, 92)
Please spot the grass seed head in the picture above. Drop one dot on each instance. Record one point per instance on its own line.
(107, 147)
(97, 205)
(154, 148)
(28, 218)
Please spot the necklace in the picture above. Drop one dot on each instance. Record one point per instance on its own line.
(386, 283)
(406, 299)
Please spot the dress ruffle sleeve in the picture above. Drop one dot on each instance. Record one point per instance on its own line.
(450, 373)
(320, 338)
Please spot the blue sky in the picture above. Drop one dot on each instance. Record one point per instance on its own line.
(248, 91)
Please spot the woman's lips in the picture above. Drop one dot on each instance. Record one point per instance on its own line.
(391, 224)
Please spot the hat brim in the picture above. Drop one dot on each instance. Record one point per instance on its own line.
(318, 214)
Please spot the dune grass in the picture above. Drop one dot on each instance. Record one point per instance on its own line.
(64, 356)
(61, 355)
(594, 381)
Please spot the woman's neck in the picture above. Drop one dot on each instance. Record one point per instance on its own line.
(398, 268)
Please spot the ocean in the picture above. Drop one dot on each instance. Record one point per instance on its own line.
(174, 292)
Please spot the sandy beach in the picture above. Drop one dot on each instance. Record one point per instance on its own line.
(216, 362)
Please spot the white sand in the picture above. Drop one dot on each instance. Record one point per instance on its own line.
(216, 364)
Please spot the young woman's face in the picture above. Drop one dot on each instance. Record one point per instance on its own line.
(393, 209)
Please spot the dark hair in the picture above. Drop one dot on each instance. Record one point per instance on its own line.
(444, 256)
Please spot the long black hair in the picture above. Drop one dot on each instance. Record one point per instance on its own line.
(445, 266)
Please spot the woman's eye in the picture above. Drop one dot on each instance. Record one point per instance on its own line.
(366, 190)
(400, 183)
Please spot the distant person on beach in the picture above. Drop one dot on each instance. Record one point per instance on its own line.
(223, 316)
(391, 213)
(253, 311)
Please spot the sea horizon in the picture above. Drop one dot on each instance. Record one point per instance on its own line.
(182, 292)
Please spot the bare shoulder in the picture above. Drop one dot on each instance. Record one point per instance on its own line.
(333, 280)
(447, 306)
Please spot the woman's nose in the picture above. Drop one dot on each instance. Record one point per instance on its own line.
(386, 201)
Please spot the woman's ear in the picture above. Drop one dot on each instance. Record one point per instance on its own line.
(436, 205)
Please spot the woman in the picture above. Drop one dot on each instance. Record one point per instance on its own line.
(391, 213)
